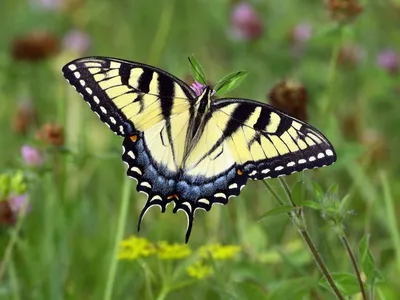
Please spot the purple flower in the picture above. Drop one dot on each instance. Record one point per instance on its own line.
(31, 156)
(12, 207)
(245, 22)
(198, 88)
(388, 59)
(300, 35)
(18, 203)
(76, 41)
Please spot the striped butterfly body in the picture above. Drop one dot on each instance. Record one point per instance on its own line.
(192, 150)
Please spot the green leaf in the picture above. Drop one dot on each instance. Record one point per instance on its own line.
(333, 190)
(249, 289)
(346, 283)
(367, 261)
(363, 246)
(293, 288)
(377, 275)
(344, 203)
(282, 209)
(230, 82)
(196, 70)
(312, 204)
(298, 193)
(319, 193)
(4, 186)
(17, 183)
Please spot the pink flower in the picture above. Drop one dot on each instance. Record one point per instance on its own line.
(301, 33)
(48, 4)
(12, 207)
(17, 203)
(198, 88)
(245, 22)
(31, 156)
(77, 41)
(388, 59)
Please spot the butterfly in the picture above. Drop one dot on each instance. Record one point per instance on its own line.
(190, 149)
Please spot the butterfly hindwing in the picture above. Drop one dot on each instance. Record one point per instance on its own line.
(158, 181)
(128, 96)
(162, 174)
(246, 139)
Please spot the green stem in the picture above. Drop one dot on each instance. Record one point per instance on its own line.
(163, 294)
(320, 263)
(299, 222)
(118, 237)
(273, 193)
(147, 278)
(13, 240)
(345, 242)
(14, 281)
(391, 217)
(288, 193)
(332, 73)
(372, 292)
(162, 32)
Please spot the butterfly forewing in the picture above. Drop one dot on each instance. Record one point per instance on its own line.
(148, 106)
(128, 96)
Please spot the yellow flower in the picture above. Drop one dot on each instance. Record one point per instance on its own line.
(135, 247)
(219, 252)
(172, 251)
(199, 270)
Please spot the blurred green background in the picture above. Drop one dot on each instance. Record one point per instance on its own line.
(333, 63)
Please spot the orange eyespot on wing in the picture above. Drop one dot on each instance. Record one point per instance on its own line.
(174, 196)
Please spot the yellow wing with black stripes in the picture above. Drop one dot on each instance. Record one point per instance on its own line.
(268, 143)
(150, 108)
(128, 96)
(245, 139)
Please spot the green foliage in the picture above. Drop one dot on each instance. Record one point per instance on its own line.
(293, 289)
(347, 283)
(229, 82)
(331, 206)
(298, 191)
(12, 184)
(282, 209)
(196, 70)
(368, 263)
